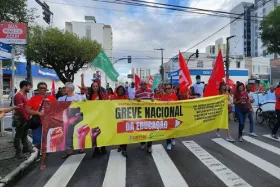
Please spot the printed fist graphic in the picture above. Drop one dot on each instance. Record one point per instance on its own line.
(94, 133)
(56, 139)
(81, 135)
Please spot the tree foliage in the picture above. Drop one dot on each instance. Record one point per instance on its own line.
(66, 53)
(270, 31)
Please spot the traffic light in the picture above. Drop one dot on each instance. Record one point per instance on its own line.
(129, 59)
(197, 53)
(47, 13)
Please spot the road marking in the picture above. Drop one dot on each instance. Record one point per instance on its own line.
(63, 175)
(170, 175)
(257, 161)
(221, 171)
(116, 170)
(269, 136)
(263, 145)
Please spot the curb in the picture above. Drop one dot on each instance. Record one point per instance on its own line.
(21, 168)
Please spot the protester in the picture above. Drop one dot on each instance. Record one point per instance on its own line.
(277, 108)
(251, 112)
(231, 107)
(169, 96)
(145, 93)
(223, 91)
(198, 87)
(271, 93)
(131, 91)
(58, 94)
(96, 93)
(110, 93)
(20, 119)
(121, 96)
(157, 94)
(242, 104)
(35, 107)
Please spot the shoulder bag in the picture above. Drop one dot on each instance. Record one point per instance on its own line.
(35, 121)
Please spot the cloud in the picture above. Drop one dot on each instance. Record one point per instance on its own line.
(137, 30)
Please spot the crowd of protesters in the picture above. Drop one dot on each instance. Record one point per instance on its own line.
(240, 101)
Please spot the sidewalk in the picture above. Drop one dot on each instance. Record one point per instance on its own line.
(10, 167)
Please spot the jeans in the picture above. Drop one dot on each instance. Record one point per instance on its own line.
(21, 133)
(241, 118)
(277, 125)
(149, 144)
(251, 120)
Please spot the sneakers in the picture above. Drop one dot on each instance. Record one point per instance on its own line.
(169, 146)
(274, 136)
(20, 156)
(253, 134)
(150, 150)
(27, 150)
(230, 139)
(218, 134)
(124, 153)
(241, 139)
(173, 142)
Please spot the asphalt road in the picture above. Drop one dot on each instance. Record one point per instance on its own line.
(196, 161)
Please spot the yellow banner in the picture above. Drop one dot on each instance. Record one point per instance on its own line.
(102, 123)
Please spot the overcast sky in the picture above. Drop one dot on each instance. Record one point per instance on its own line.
(138, 30)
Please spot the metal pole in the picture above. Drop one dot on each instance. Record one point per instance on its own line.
(162, 65)
(227, 61)
(1, 98)
(13, 83)
(270, 77)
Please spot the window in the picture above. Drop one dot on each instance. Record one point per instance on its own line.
(88, 32)
(256, 69)
(238, 64)
(256, 54)
(264, 53)
(264, 11)
(200, 64)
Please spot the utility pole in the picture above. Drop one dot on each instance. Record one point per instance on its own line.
(227, 57)
(162, 69)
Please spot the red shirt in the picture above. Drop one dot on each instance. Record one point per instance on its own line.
(277, 105)
(35, 101)
(95, 97)
(243, 97)
(171, 97)
(157, 96)
(144, 94)
(116, 97)
(21, 100)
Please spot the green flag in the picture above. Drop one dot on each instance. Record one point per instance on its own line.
(104, 63)
(155, 83)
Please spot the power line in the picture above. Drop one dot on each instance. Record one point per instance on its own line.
(256, 8)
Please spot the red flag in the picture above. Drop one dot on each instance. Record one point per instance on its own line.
(150, 82)
(216, 78)
(136, 81)
(230, 82)
(185, 79)
(53, 88)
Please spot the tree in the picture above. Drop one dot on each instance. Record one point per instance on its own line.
(66, 53)
(270, 29)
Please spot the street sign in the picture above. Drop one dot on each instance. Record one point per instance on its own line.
(5, 51)
(130, 76)
(13, 33)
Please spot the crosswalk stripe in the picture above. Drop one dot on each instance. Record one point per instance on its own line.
(269, 136)
(263, 145)
(170, 175)
(63, 175)
(257, 161)
(220, 170)
(116, 170)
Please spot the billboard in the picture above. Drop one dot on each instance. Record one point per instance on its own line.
(13, 33)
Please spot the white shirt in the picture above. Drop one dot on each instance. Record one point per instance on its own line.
(198, 88)
(75, 97)
(271, 96)
(131, 93)
(84, 97)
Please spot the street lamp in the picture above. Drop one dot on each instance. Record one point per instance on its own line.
(227, 56)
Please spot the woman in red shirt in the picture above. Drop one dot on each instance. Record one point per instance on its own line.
(121, 96)
(157, 94)
(242, 107)
(32, 108)
(169, 96)
(95, 93)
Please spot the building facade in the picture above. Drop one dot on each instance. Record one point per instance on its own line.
(103, 35)
(258, 68)
(203, 66)
(220, 45)
(142, 73)
(210, 49)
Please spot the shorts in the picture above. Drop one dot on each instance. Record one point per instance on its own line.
(233, 108)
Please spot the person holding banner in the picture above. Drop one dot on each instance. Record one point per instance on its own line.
(157, 94)
(223, 91)
(121, 96)
(169, 96)
(145, 93)
(96, 93)
(35, 107)
(242, 107)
